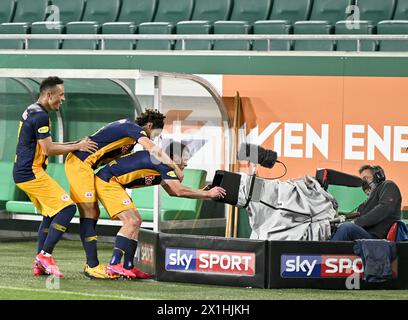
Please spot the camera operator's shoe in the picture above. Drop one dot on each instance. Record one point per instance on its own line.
(98, 272)
(38, 269)
(48, 263)
(117, 269)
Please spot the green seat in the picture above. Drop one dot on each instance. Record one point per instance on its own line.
(45, 28)
(194, 27)
(376, 10)
(313, 27)
(13, 28)
(292, 10)
(29, 11)
(174, 11)
(101, 11)
(348, 198)
(7, 10)
(401, 10)
(364, 27)
(232, 27)
(69, 11)
(138, 11)
(269, 27)
(155, 28)
(251, 11)
(212, 10)
(172, 208)
(330, 10)
(87, 27)
(396, 27)
(8, 188)
(119, 28)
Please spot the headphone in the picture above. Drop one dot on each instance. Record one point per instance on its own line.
(378, 173)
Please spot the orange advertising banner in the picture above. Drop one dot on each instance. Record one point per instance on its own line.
(326, 122)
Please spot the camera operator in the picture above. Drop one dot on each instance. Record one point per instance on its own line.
(377, 213)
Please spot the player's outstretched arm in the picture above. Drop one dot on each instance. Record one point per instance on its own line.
(161, 156)
(176, 189)
(51, 148)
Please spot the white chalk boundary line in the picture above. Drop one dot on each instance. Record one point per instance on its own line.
(108, 297)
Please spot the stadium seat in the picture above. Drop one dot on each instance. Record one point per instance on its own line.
(396, 27)
(348, 198)
(7, 10)
(69, 11)
(251, 11)
(119, 28)
(138, 11)
(13, 28)
(232, 27)
(8, 188)
(313, 27)
(101, 11)
(155, 28)
(272, 27)
(375, 10)
(30, 11)
(364, 27)
(212, 10)
(81, 28)
(330, 10)
(292, 10)
(45, 28)
(174, 11)
(194, 27)
(401, 10)
(172, 208)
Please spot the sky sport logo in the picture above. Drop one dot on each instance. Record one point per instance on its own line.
(210, 261)
(321, 266)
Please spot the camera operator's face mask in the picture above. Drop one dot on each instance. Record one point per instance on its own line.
(368, 181)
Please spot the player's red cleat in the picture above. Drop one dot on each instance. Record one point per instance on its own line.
(140, 274)
(113, 269)
(38, 269)
(48, 264)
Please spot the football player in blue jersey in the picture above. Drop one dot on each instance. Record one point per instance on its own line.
(114, 139)
(137, 170)
(29, 172)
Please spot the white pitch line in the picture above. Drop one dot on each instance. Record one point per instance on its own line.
(68, 292)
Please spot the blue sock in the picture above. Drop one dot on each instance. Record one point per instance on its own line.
(121, 245)
(43, 232)
(130, 255)
(58, 226)
(89, 240)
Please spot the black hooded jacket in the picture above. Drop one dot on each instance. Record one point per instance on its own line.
(381, 209)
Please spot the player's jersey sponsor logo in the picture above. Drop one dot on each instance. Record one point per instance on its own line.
(44, 129)
(65, 197)
(320, 266)
(172, 174)
(89, 194)
(126, 202)
(149, 180)
(210, 261)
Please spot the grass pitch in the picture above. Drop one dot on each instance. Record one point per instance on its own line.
(16, 282)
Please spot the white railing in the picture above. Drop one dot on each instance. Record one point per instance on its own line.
(183, 37)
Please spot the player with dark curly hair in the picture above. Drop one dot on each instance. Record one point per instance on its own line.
(114, 140)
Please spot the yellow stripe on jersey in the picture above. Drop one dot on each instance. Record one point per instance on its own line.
(131, 176)
(39, 159)
(91, 159)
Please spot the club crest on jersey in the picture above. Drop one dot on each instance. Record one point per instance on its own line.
(44, 129)
(64, 197)
(149, 180)
(88, 194)
(172, 174)
(126, 202)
